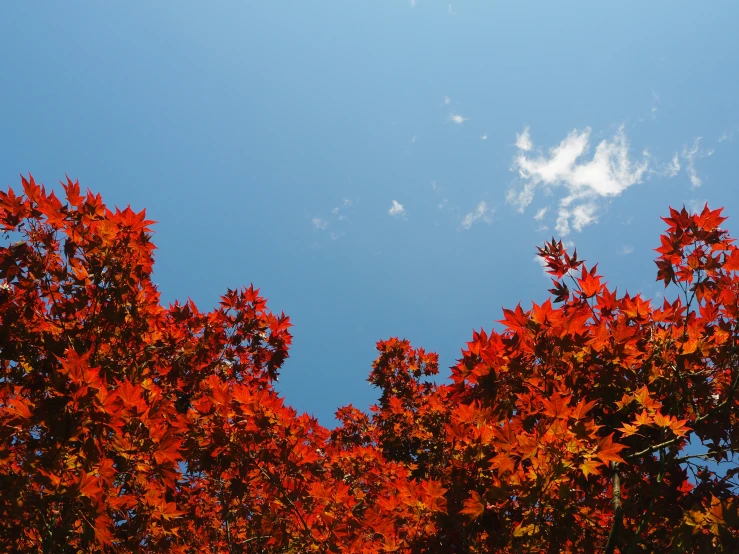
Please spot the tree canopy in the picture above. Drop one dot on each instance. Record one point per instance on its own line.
(594, 422)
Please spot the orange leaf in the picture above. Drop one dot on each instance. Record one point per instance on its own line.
(21, 407)
(557, 406)
(590, 467)
(169, 511)
(608, 450)
(89, 485)
(679, 428)
(628, 429)
(473, 506)
(582, 409)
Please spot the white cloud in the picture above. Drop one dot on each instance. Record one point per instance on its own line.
(607, 174)
(397, 209)
(338, 210)
(451, 10)
(484, 137)
(580, 215)
(674, 167)
(540, 214)
(458, 119)
(626, 249)
(692, 154)
(523, 140)
(728, 135)
(447, 100)
(319, 223)
(482, 211)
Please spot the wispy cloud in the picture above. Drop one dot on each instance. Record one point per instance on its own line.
(338, 211)
(580, 216)
(523, 140)
(674, 167)
(397, 209)
(484, 137)
(540, 214)
(457, 118)
(655, 104)
(447, 100)
(586, 180)
(481, 212)
(728, 135)
(625, 250)
(319, 223)
(692, 154)
(338, 221)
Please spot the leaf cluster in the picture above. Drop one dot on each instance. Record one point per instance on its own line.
(592, 422)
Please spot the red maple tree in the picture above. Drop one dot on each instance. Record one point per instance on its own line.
(591, 423)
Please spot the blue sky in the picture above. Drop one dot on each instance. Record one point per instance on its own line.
(378, 168)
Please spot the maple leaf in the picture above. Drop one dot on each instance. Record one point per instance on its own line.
(22, 407)
(503, 463)
(679, 428)
(643, 396)
(627, 429)
(103, 534)
(89, 485)
(557, 407)
(473, 506)
(130, 394)
(608, 450)
(589, 282)
(590, 467)
(169, 511)
(582, 408)
(661, 420)
(731, 262)
(643, 418)
(168, 451)
(515, 320)
(433, 489)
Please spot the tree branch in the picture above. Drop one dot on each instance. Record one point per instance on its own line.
(617, 512)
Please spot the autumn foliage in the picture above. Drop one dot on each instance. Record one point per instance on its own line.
(594, 422)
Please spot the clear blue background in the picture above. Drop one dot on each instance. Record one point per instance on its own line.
(235, 124)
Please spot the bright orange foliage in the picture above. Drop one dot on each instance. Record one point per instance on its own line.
(126, 426)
